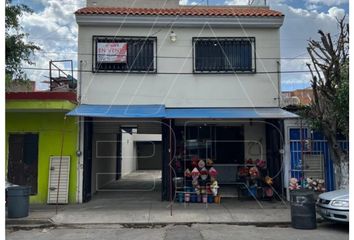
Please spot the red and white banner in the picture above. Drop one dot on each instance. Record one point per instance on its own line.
(112, 52)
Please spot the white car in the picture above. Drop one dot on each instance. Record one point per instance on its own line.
(334, 205)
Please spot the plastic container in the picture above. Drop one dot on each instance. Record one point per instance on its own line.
(187, 197)
(251, 192)
(303, 209)
(194, 198)
(18, 201)
(180, 197)
(210, 198)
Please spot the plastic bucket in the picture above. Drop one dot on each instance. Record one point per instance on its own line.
(18, 201)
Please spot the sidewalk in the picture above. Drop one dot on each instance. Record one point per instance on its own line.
(112, 211)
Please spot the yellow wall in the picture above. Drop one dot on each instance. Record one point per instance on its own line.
(49, 126)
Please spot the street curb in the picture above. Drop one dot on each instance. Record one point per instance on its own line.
(48, 223)
(28, 223)
(42, 223)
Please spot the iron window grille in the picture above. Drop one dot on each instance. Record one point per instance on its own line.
(139, 56)
(224, 55)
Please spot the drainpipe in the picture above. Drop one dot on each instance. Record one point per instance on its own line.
(279, 82)
(80, 82)
(170, 164)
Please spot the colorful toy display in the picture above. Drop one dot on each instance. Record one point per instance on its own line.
(195, 173)
(204, 173)
(254, 172)
(209, 162)
(187, 173)
(243, 171)
(317, 185)
(214, 188)
(294, 184)
(200, 183)
(261, 164)
(201, 164)
(212, 172)
(195, 161)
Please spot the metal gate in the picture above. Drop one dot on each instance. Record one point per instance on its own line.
(310, 156)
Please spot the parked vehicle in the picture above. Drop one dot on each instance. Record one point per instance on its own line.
(334, 205)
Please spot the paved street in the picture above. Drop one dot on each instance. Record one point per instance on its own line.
(183, 232)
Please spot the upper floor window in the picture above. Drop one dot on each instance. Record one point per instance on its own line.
(124, 54)
(219, 55)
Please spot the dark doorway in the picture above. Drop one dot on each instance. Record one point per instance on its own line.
(229, 141)
(149, 155)
(23, 160)
(275, 142)
(119, 157)
(87, 168)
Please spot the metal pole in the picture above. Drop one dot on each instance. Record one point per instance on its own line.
(302, 147)
(60, 162)
(50, 75)
(170, 149)
(72, 70)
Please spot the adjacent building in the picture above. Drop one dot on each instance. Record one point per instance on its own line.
(38, 134)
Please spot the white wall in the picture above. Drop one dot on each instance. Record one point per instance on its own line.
(104, 159)
(255, 140)
(129, 149)
(182, 90)
(128, 153)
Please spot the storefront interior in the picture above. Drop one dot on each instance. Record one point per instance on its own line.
(221, 159)
(185, 161)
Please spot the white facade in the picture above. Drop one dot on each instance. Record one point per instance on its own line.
(174, 84)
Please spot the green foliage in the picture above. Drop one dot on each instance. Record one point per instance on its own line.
(17, 49)
(315, 122)
(338, 106)
(341, 103)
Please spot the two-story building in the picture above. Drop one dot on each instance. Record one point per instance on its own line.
(163, 86)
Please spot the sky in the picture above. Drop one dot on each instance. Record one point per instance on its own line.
(52, 26)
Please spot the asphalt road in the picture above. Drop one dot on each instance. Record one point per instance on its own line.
(182, 232)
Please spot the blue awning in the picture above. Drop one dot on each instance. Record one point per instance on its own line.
(119, 111)
(159, 111)
(228, 113)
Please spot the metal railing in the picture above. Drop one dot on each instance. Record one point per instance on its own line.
(300, 149)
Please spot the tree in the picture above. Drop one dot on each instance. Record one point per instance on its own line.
(329, 111)
(17, 49)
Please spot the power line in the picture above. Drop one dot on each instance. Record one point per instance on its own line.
(172, 73)
(177, 57)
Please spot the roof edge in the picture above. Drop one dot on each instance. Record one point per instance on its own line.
(182, 10)
(182, 21)
(70, 96)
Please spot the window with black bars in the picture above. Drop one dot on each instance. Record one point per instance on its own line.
(124, 54)
(219, 55)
